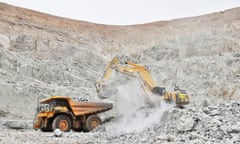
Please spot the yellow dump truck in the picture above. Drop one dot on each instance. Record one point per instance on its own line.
(64, 113)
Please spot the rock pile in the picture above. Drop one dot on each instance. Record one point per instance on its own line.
(211, 124)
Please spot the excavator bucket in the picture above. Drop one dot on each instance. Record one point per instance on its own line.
(103, 92)
(107, 93)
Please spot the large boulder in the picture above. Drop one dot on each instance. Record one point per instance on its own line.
(185, 123)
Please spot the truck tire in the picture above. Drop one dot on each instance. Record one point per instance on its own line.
(62, 122)
(92, 122)
(47, 128)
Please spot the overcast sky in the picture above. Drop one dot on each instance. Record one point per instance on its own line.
(125, 12)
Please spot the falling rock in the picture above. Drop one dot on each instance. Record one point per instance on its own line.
(185, 124)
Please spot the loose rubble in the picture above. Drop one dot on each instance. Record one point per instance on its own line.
(200, 127)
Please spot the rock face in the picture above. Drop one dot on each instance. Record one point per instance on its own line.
(43, 55)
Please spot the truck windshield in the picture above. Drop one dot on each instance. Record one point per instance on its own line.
(58, 102)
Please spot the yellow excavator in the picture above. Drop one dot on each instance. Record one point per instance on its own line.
(180, 97)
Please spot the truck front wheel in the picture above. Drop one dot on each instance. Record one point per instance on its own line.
(62, 122)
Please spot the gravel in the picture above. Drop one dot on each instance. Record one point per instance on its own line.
(188, 125)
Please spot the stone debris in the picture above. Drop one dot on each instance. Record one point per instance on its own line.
(207, 126)
(189, 125)
(58, 133)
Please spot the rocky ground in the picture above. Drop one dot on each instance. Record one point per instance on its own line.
(209, 124)
(43, 55)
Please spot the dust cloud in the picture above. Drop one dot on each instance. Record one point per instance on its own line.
(136, 110)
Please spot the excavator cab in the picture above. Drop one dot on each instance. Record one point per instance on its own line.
(160, 91)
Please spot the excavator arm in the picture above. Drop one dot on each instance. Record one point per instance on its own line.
(131, 69)
(143, 72)
(106, 75)
(108, 70)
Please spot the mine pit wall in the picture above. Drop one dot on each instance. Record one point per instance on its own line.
(25, 76)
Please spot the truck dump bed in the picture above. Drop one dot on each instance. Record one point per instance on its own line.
(86, 108)
(79, 108)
